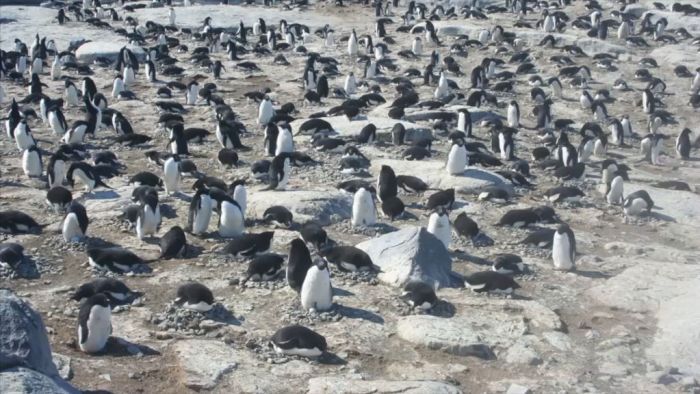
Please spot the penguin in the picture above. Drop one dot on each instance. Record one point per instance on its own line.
(506, 144)
(648, 104)
(23, 136)
(386, 183)
(350, 84)
(265, 111)
(312, 233)
(199, 212)
(585, 99)
(75, 223)
(348, 258)
(58, 198)
(264, 268)
(31, 162)
(457, 158)
(465, 226)
(178, 140)
(519, 218)
(637, 203)
(11, 255)
(151, 71)
(513, 114)
(491, 281)
(249, 245)
(192, 93)
(363, 209)
(171, 174)
(298, 341)
(419, 294)
(86, 174)
(240, 194)
(564, 248)
(115, 290)
(656, 146)
(614, 189)
(149, 217)
(278, 216)
(494, 194)
(563, 193)
(195, 297)
(279, 172)
(18, 222)
(683, 144)
(508, 264)
(439, 225)
(71, 94)
(352, 44)
(298, 263)
(441, 199)
(316, 291)
(285, 141)
(173, 244)
(464, 122)
(94, 323)
(556, 87)
(57, 121)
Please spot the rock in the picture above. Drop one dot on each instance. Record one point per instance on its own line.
(688, 382)
(89, 51)
(24, 380)
(411, 253)
(666, 379)
(671, 297)
(434, 174)
(518, 389)
(473, 334)
(338, 385)
(613, 369)
(558, 339)
(523, 353)
(323, 206)
(203, 362)
(63, 364)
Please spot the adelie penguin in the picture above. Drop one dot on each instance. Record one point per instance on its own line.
(637, 203)
(75, 223)
(264, 268)
(199, 212)
(279, 216)
(178, 140)
(490, 281)
(231, 219)
(564, 194)
(614, 190)
(113, 259)
(509, 264)
(11, 255)
(313, 234)
(564, 248)
(439, 226)
(94, 323)
(149, 217)
(171, 174)
(298, 341)
(419, 294)
(386, 183)
(116, 291)
(364, 212)
(279, 171)
(519, 218)
(249, 245)
(316, 291)
(195, 296)
(348, 258)
(441, 199)
(86, 174)
(173, 244)
(683, 144)
(457, 158)
(298, 263)
(18, 222)
(514, 114)
(31, 162)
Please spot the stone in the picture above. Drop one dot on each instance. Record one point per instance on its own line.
(558, 339)
(518, 389)
(63, 364)
(523, 353)
(89, 51)
(411, 254)
(324, 206)
(338, 385)
(203, 362)
(433, 172)
(474, 334)
(25, 380)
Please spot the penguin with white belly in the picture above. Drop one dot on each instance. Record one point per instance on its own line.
(94, 323)
(195, 296)
(564, 248)
(200, 212)
(316, 291)
(75, 223)
(439, 226)
(149, 217)
(31, 162)
(231, 219)
(457, 158)
(171, 174)
(298, 341)
(285, 141)
(364, 212)
(279, 171)
(514, 114)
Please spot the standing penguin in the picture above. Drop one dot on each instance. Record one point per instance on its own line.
(31, 162)
(513, 114)
(56, 170)
(192, 93)
(683, 144)
(285, 141)
(173, 243)
(439, 226)
(149, 218)
(564, 248)
(75, 223)
(56, 68)
(200, 212)
(417, 47)
(171, 174)
(171, 16)
(128, 76)
(457, 158)
(614, 190)
(23, 136)
(240, 194)
(364, 212)
(648, 103)
(350, 84)
(231, 219)
(464, 122)
(316, 291)
(279, 171)
(265, 111)
(178, 140)
(94, 323)
(506, 144)
(386, 183)
(57, 121)
(352, 44)
(298, 263)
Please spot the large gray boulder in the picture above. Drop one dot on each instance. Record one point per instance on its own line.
(338, 385)
(109, 49)
(412, 254)
(25, 353)
(324, 206)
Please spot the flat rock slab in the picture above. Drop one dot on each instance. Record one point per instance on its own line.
(324, 206)
(24, 380)
(203, 362)
(411, 254)
(474, 334)
(338, 385)
(434, 174)
(109, 49)
(673, 205)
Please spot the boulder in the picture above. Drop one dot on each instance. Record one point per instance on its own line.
(24, 380)
(338, 385)
(411, 253)
(203, 362)
(433, 172)
(324, 206)
(89, 51)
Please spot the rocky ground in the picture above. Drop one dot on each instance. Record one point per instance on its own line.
(625, 321)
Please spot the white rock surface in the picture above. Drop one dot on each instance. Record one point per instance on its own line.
(337, 385)
(110, 49)
(203, 362)
(324, 206)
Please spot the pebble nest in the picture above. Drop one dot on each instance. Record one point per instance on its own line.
(177, 319)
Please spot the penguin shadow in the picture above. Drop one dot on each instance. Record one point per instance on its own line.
(443, 309)
(591, 274)
(179, 195)
(357, 313)
(338, 292)
(329, 358)
(661, 216)
(9, 183)
(462, 255)
(120, 347)
(100, 195)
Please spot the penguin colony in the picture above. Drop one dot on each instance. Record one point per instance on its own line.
(70, 130)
